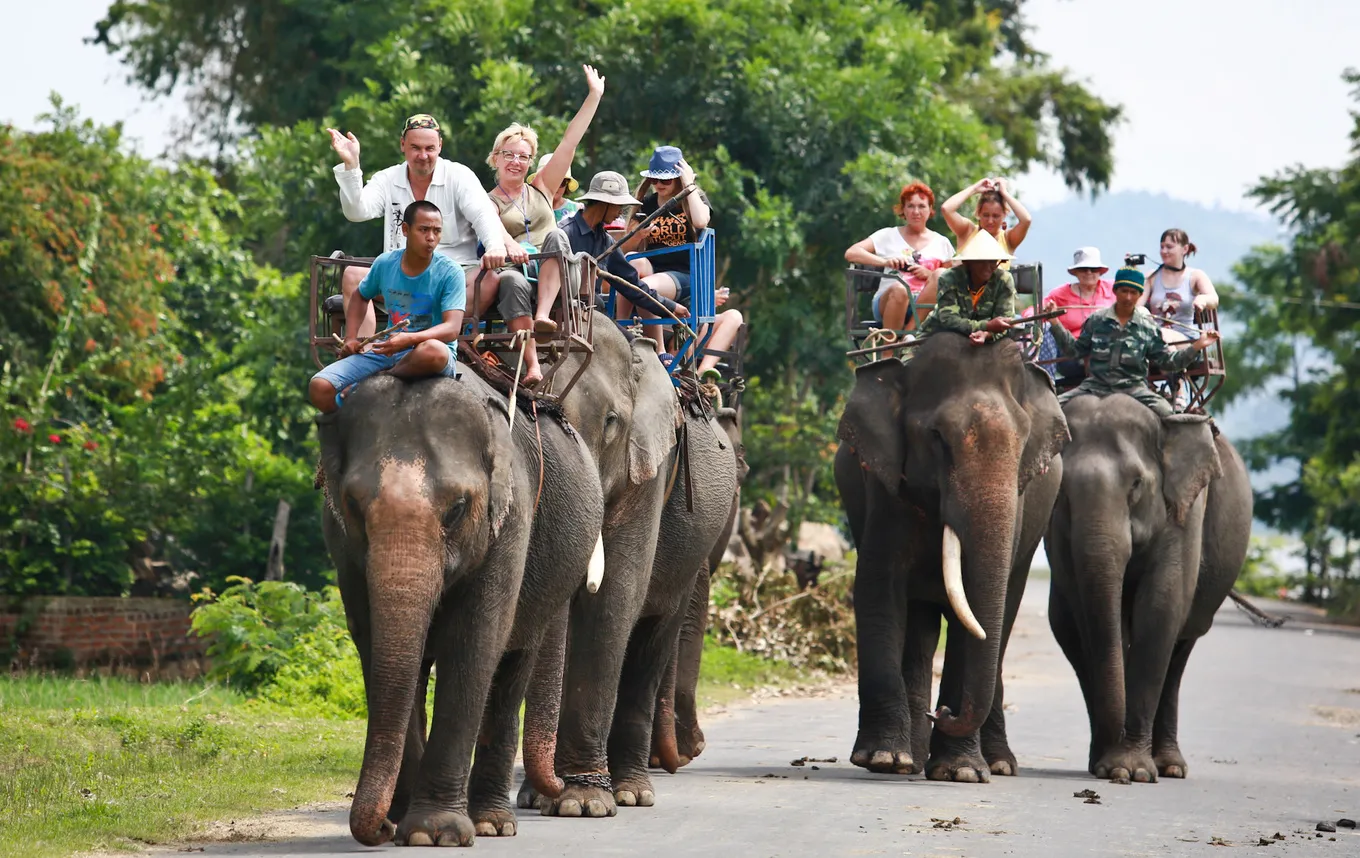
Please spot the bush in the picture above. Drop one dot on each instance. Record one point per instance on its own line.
(284, 644)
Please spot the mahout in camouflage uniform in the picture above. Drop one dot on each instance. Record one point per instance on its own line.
(975, 311)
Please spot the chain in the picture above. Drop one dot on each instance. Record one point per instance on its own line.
(599, 780)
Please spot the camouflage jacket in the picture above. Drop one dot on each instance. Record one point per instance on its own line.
(1120, 353)
(955, 309)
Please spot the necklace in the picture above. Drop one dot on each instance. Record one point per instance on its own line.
(523, 208)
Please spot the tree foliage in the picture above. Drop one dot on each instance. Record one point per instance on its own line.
(1302, 303)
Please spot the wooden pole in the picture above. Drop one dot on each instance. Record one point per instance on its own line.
(274, 570)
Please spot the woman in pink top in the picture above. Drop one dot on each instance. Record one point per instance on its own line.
(1082, 298)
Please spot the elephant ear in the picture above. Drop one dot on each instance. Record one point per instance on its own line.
(1189, 462)
(1048, 433)
(872, 422)
(332, 457)
(656, 414)
(502, 453)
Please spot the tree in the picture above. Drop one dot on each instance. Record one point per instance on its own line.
(1302, 303)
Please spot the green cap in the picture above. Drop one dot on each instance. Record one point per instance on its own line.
(1130, 277)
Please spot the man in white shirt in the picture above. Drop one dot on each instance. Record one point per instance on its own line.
(469, 216)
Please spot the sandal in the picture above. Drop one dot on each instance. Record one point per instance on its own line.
(712, 375)
(544, 329)
(667, 360)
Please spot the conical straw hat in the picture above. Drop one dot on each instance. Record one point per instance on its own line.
(982, 247)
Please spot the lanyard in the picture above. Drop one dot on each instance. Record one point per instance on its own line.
(523, 209)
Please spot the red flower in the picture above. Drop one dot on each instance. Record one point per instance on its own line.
(90, 445)
(22, 425)
(55, 439)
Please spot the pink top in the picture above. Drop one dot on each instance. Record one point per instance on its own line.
(1066, 296)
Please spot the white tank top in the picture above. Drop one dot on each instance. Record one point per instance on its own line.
(1183, 293)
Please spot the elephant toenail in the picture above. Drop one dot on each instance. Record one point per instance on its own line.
(419, 838)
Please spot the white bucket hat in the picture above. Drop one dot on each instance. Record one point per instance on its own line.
(1087, 257)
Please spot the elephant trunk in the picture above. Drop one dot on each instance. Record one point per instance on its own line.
(404, 582)
(984, 513)
(663, 721)
(542, 706)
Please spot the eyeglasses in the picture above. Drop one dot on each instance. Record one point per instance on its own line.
(515, 157)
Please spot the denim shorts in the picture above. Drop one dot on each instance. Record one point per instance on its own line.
(355, 368)
(682, 290)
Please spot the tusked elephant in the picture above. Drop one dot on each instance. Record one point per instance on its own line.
(455, 545)
(1148, 535)
(948, 468)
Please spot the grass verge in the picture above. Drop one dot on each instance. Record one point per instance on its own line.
(728, 675)
(111, 764)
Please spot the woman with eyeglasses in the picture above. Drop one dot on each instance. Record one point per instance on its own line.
(526, 211)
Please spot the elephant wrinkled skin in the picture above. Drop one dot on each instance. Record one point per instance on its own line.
(442, 560)
(1148, 535)
(954, 454)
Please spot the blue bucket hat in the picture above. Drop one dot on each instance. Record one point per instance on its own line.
(664, 164)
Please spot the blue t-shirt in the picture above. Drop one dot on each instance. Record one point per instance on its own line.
(425, 298)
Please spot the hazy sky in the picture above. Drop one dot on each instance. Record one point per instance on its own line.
(1216, 92)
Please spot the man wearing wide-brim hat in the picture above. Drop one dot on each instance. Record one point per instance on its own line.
(977, 298)
(605, 199)
(1120, 340)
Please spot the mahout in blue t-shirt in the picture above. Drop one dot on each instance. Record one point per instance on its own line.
(425, 298)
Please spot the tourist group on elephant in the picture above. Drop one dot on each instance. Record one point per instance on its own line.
(552, 554)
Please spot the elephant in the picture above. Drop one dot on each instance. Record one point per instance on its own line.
(1148, 535)
(948, 468)
(676, 736)
(455, 542)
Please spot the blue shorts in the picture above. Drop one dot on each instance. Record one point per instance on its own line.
(682, 290)
(355, 368)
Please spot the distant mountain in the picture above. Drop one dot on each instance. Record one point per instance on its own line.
(1132, 222)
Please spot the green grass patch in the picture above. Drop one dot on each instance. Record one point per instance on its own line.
(112, 764)
(728, 675)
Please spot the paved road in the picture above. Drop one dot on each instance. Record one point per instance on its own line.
(1270, 726)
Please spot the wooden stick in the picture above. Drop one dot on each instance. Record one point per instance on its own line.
(666, 208)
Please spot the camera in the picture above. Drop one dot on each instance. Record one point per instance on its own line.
(1133, 260)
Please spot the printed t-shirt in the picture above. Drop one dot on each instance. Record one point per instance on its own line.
(889, 242)
(670, 230)
(425, 298)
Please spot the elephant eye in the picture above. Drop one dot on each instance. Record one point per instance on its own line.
(611, 418)
(455, 512)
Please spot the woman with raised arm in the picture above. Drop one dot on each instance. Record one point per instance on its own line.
(911, 247)
(994, 199)
(526, 213)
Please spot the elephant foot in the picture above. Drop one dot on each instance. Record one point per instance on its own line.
(494, 822)
(1127, 766)
(689, 740)
(435, 828)
(1000, 761)
(528, 798)
(579, 800)
(962, 769)
(1170, 763)
(884, 761)
(634, 792)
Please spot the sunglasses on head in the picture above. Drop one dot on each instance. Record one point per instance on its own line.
(420, 120)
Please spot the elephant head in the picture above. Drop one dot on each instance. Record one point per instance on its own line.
(421, 490)
(957, 433)
(1129, 476)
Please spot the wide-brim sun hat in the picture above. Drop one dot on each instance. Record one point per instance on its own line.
(610, 188)
(572, 184)
(982, 247)
(665, 163)
(1087, 257)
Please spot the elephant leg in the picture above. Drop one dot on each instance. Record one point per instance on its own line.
(955, 758)
(630, 738)
(1154, 627)
(494, 762)
(414, 749)
(664, 753)
(918, 661)
(689, 738)
(597, 640)
(884, 740)
(1062, 619)
(1166, 750)
(471, 637)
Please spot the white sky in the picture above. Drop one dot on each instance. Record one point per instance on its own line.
(1216, 92)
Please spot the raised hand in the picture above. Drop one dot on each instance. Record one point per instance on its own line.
(346, 146)
(686, 173)
(594, 81)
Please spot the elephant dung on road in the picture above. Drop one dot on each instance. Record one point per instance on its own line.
(1148, 535)
(947, 469)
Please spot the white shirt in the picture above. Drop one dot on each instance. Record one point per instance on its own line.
(468, 213)
(888, 242)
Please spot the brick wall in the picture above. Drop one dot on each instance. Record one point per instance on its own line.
(63, 631)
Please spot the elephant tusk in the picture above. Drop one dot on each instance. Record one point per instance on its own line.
(595, 572)
(953, 584)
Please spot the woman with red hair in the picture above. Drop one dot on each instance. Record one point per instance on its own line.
(913, 248)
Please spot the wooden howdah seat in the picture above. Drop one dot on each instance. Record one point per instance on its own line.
(486, 343)
(862, 282)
